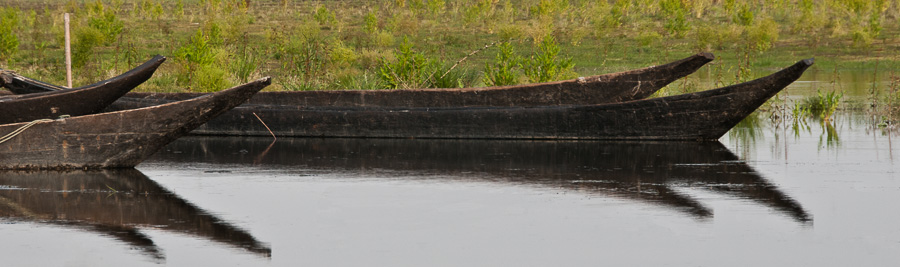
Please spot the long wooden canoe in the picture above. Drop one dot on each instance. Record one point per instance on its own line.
(74, 102)
(117, 204)
(648, 172)
(703, 115)
(119, 139)
(607, 88)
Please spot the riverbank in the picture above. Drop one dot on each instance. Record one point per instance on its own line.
(320, 45)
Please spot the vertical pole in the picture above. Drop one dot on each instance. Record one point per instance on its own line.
(68, 53)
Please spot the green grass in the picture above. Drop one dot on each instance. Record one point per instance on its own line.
(322, 45)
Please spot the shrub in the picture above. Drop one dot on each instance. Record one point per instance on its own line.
(435, 7)
(548, 8)
(197, 54)
(209, 78)
(861, 38)
(383, 39)
(762, 34)
(86, 39)
(546, 65)
(504, 69)
(9, 42)
(198, 50)
(306, 57)
(479, 11)
(109, 25)
(371, 58)
(675, 10)
(411, 69)
(744, 15)
(179, 9)
(370, 22)
(341, 55)
(105, 21)
(324, 16)
(648, 37)
(509, 32)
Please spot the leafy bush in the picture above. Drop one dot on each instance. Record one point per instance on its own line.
(105, 21)
(324, 16)
(370, 23)
(546, 65)
(209, 78)
(479, 11)
(411, 69)
(744, 15)
(504, 69)
(306, 57)
(435, 7)
(197, 56)
(9, 42)
(548, 8)
(509, 32)
(86, 39)
(383, 39)
(762, 34)
(198, 50)
(341, 55)
(675, 10)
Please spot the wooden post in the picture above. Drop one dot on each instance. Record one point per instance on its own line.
(68, 53)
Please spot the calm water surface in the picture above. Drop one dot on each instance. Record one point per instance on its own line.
(768, 194)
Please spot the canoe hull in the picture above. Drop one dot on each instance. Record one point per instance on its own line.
(114, 140)
(698, 116)
(74, 102)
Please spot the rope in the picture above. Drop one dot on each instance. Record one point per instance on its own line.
(21, 129)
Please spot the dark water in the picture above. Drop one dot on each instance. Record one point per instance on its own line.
(769, 194)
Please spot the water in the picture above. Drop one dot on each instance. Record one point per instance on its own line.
(768, 194)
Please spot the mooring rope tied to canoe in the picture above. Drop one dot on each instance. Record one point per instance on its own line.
(15, 133)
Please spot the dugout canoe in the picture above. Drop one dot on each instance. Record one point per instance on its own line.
(703, 115)
(607, 88)
(119, 139)
(648, 172)
(118, 204)
(79, 101)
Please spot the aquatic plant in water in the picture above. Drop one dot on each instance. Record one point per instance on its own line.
(822, 105)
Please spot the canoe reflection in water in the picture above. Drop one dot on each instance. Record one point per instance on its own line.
(650, 172)
(115, 203)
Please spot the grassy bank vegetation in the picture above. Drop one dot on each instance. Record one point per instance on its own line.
(321, 45)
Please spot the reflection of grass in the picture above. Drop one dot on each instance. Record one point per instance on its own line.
(829, 135)
(813, 108)
(748, 130)
(798, 120)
